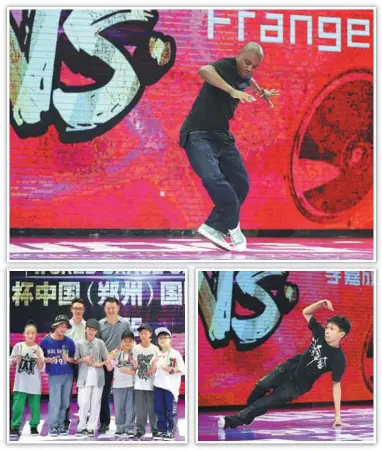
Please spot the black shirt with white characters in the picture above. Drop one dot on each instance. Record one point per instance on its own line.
(214, 108)
(319, 358)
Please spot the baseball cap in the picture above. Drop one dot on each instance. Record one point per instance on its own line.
(161, 330)
(61, 319)
(145, 326)
(127, 334)
(92, 323)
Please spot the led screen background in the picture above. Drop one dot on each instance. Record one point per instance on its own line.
(229, 365)
(110, 159)
(156, 298)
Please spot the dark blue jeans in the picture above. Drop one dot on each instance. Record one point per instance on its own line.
(164, 409)
(221, 169)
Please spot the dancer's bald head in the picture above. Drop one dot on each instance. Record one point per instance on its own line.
(249, 57)
(252, 47)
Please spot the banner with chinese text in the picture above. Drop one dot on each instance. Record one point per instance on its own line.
(154, 297)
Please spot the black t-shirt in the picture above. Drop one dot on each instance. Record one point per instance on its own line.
(319, 358)
(213, 108)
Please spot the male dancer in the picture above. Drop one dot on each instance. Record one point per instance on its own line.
(210, 146)
(296, 376)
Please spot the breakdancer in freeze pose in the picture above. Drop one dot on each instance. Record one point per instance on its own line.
(211, 148)
(296, 376)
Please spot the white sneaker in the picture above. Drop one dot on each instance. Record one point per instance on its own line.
(215, 236)
(239, 241)
(221, 423)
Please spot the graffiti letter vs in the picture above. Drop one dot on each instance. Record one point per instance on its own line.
(116, 49)
(266, 294)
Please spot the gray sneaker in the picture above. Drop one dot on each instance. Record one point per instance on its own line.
(53, 432)
(239, 241)
(215, 236)
(62, 431)
(83, 432)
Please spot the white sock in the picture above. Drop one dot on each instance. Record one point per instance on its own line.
(235, 229)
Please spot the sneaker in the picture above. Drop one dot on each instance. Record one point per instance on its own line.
(215, 236)
(239, 241)
(119, 433)
(103, 428)
(34, 431)
(14, 432)
(63, 432)
(138, 435)
(169, 436)
(53, 432)
(83, 432)
(91, 433)
(159, 435)
(223, 423)
(130, 434)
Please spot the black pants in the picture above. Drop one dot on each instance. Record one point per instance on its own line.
(104, 415)
(273, 390)
(75, 377)
(221, 169)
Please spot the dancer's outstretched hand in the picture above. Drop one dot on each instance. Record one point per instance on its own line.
(328, 305)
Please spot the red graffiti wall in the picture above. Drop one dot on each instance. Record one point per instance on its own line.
(98, 98)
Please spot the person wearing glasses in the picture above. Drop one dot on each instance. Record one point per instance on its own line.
(169, 369)
(77, 334)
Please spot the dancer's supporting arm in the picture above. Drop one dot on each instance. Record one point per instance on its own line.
(337, 404)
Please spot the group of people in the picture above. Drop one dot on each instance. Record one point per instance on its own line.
(99, 356)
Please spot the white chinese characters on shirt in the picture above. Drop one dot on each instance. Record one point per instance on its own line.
(315, 353)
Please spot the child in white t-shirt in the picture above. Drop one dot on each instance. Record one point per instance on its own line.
(28, 358)
(144, 357)
(123, 385)
(167, 380)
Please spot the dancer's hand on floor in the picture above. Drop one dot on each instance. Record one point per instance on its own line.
(338, 423)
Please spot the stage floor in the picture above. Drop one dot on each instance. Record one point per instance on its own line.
(190, 249)
(302, 425)
(27, 438)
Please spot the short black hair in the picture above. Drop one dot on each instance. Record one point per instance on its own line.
(342, 323)
(78, 300)
(30, 323)
(111, 300)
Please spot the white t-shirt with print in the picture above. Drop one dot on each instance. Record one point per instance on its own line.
(144, 356)
(28, 375)
(164, 380)
(124, 360)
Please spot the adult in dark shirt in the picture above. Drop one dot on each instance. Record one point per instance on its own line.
(296, 376)
(111, 329)
(210, 146)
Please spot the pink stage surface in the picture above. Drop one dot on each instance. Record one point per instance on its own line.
(190, 249)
